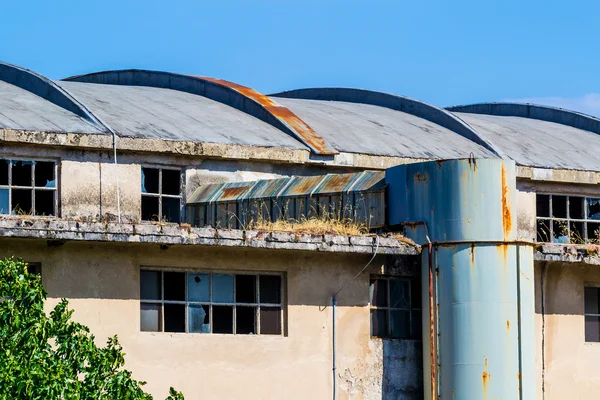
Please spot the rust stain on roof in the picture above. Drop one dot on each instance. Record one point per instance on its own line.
(283, 114)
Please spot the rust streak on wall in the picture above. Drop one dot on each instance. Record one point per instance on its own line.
(506, 211)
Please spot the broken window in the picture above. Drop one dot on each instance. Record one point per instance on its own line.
(207, 302)
(567, 219)
(161, 194)
(592, 314)
(395, 307)
(28, 187)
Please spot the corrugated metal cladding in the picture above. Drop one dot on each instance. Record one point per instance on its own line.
(236, 205)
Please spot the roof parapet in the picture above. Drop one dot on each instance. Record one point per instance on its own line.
(237, 96)
(526, 110)
(49, 91)
(414, 107)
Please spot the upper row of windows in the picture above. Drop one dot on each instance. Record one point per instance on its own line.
(28, 187)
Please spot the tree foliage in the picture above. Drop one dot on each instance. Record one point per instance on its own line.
(53, 357)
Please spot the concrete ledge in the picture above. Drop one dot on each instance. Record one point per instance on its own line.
(568, 253)
(58, 230)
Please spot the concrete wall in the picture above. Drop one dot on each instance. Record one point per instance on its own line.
(102, 283)
(87, 178)
(567, 366)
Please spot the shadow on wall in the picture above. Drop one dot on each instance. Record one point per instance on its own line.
(402, 370)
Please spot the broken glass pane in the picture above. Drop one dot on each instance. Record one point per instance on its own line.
(542, 205)
(400, 324)
(198, 287)
(150, 285)
(44, 202)
(149, 208)
(543, 231)
(171, 181)
(4, 172)
(222, 288)
(593, 208)
(4, 206)
(399, 293)
(560, 232)
(150, 318)
(245, 288)
(21, 173)
(174, 286)
(149, 180)
(199, 319)
(378, 323)
(270, 289)
(593, 230)
(174, 317)
(171, 209)
(245, 320)
(44, 174)
(222, 319)
(576, 207)
(270, 321)
(21, 201)
(378, 292)
(576, 232)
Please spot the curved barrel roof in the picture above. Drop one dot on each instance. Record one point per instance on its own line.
(322, 121)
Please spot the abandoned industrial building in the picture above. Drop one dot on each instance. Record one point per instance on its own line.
(169, 210)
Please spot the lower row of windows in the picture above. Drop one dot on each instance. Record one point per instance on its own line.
(250, 304)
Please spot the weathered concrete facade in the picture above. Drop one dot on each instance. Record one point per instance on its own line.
(101, 281)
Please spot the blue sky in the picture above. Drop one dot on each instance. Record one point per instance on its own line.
(443, 52)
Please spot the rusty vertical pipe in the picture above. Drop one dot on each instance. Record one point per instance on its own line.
(431, 321)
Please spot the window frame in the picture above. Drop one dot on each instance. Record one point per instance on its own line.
(590, 285)
(9, 186)
(160, 195)
(568, 220)
(282, 306)
(388, 309)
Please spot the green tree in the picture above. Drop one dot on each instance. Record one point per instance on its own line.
(53, 357)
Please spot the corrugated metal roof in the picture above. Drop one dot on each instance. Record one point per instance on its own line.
(288, 187)
(147, 112)
(537, 143)
(364, 128)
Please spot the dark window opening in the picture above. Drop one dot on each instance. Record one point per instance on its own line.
(543, 205)
(21, 201)
(171, 182)
(44, 202)
(396, 307)
(150, 180)
(44, 174)
(4, 172)
(174, 286)
(204, 302)
(592, 314)
(245, 320)
(222, 319)
(34, 268)
(27, 187)
(245, 288)
(161, 195)
(573, 219)
(21, 173)
(171, 209)
(174, 317)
